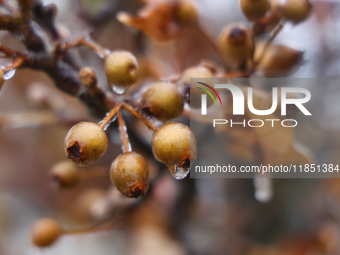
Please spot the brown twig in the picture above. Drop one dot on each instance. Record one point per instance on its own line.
(110, 115)
(81, 40)
(270, 40)
(123, 133)
(108, 224)
(17, 62)
(8, 51)
(136, 114)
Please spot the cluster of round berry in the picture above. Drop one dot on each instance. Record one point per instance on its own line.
(172, 144)
(236, 43)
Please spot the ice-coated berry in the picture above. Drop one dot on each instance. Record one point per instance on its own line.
(163, 101)
(254, 9)
(129, 173)
(122, 70)
(85, 142)
(175, 145)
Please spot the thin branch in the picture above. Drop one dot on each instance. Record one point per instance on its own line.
(86, 42)
(122, 128)
(253, 35)
(108, 224)
(136, 114)
(9, 52)
(110, 115)
(270, 40)
(16, 64)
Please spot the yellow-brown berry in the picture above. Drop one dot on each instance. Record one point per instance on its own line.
(235, 46)
(65, 173)
(85, 142)
(45, 232)
(163, 101)
(297, 10)
(186, 12)
(129, 173)
(175, 145)
(122, 70)
(271, 20)
(254, 9)
(195, 94)
(279, 60)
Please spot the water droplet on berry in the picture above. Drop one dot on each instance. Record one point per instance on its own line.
(119, 89)
(179, 172)
(9, 74)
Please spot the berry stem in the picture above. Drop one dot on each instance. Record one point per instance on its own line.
(17, 62)
(137, 115)
(109, 224)
(111, 115)
(127, 107)
(123, 133)
(253, 36)
(86, 42)
(270, 40)
(9, 52)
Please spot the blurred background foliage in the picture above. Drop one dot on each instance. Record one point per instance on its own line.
(192, 216)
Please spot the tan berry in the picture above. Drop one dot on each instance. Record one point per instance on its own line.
(45, 232)
(272, 19)
(163, 101)
(297, 10)
(235, 46)
(85, 142)
(65, 173)
(129, 173)
(279, 60)
(122, 70)
(175, 145)
(186, 12)
(254, 9)
(195, 94)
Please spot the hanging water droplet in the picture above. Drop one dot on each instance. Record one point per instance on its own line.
(119, 89)
(179, 172)
(9, 74)
(263, 189)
